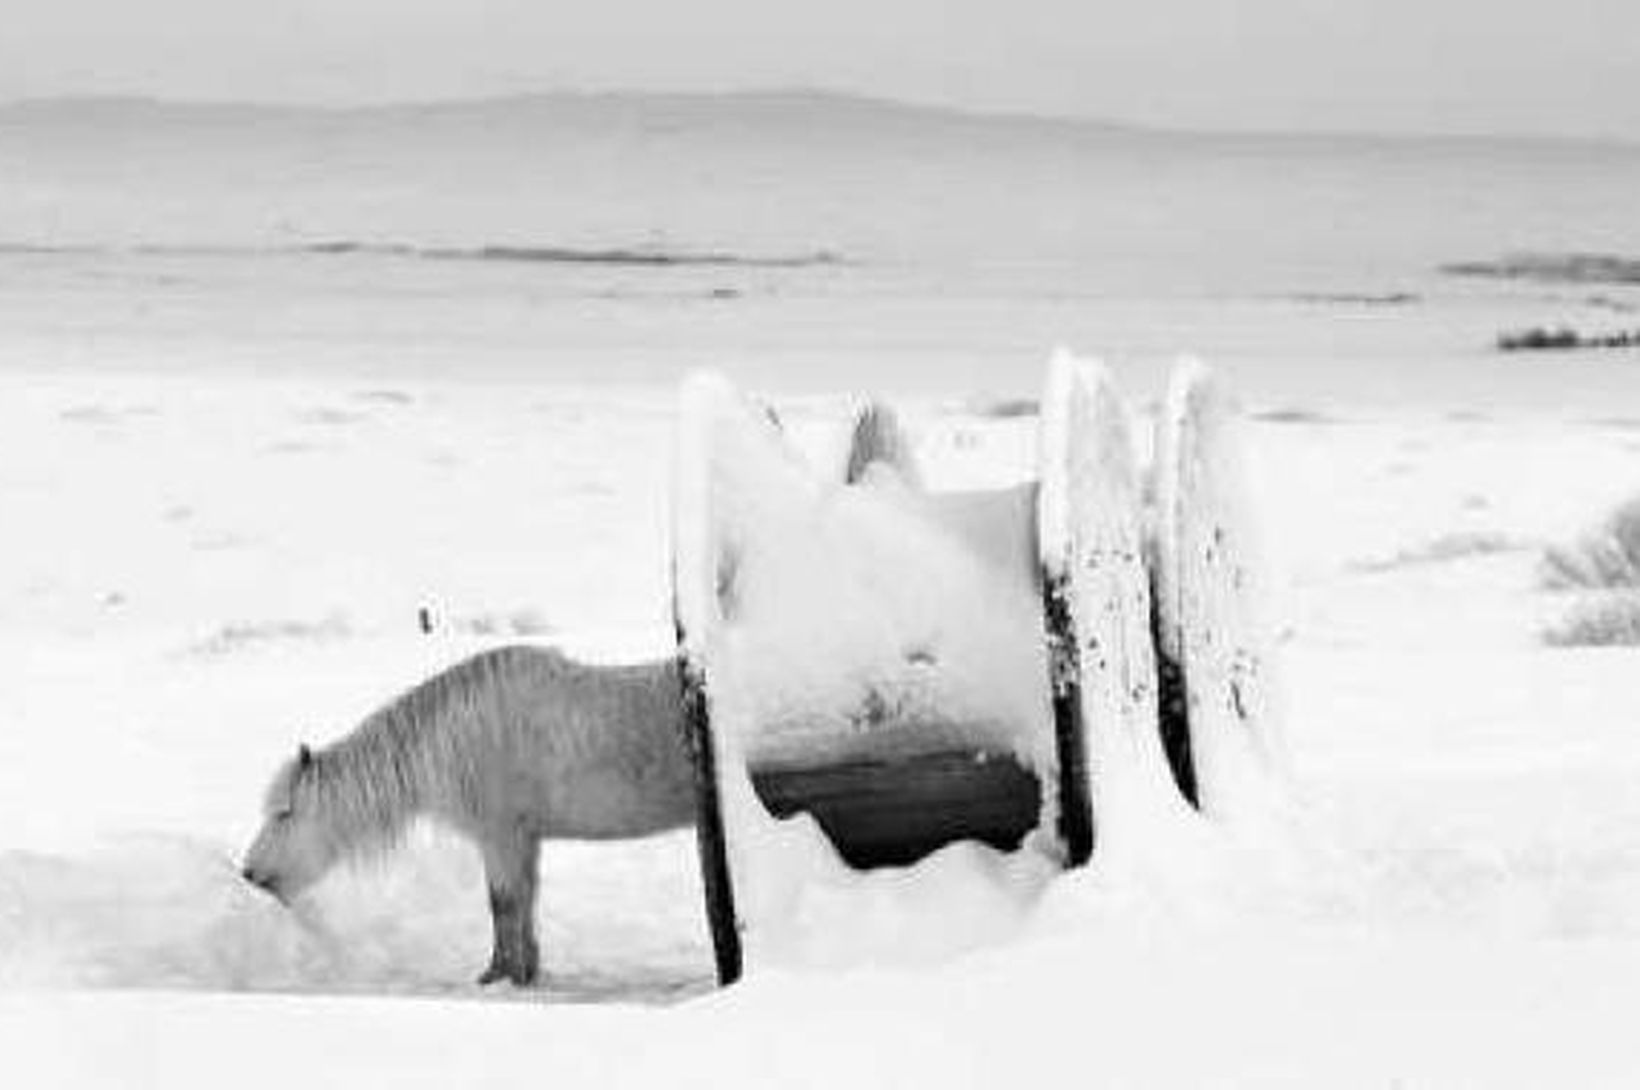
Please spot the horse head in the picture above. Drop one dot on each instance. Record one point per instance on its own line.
(292, 850)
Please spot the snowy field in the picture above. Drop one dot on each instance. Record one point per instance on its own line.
(202, 573)
(231, 482)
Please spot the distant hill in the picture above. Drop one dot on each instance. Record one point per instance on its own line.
(796, 110)
(775, 108)
(783, 178)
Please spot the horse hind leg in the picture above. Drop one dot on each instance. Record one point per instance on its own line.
(510, 870)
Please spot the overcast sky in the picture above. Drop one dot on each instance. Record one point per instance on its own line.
(1567, 66)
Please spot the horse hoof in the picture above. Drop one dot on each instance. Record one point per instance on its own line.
(496, 973)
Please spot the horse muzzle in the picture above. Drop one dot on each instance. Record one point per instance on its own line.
(262, 880)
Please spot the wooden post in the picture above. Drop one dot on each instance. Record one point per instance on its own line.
(1070, 732)
(709, 837)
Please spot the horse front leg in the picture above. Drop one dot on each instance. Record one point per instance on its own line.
(510, 870)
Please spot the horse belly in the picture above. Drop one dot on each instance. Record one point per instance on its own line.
(605, 806)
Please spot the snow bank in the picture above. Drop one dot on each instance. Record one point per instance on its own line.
(148, 911)
(1125, 1009)
(162, 911)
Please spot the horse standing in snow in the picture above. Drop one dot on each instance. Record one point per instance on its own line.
(510, 747)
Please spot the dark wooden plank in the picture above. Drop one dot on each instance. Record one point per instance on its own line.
(721, 918)
(1173, 708)
(1070, 732)
(881, 813)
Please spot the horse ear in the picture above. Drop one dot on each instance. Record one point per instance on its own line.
(304, 757)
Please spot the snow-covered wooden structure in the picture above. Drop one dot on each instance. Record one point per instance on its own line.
(911, 668)
(1218, 719)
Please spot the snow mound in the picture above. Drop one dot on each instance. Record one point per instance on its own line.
(148, 911)
(172, 912)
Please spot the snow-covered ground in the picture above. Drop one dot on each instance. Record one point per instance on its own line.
(230, 479)
(203, 571)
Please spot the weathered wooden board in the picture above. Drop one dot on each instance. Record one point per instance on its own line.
(1214, 657)
(695, 614)
(1096, 593)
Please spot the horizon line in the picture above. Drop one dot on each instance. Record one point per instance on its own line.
(794, 92)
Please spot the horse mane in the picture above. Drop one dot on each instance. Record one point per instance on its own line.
(879, 440)
(370, 785)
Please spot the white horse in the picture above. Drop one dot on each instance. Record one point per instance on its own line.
(509, 748)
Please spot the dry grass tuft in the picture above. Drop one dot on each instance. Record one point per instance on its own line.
(1605, 558)
(1611, 620)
